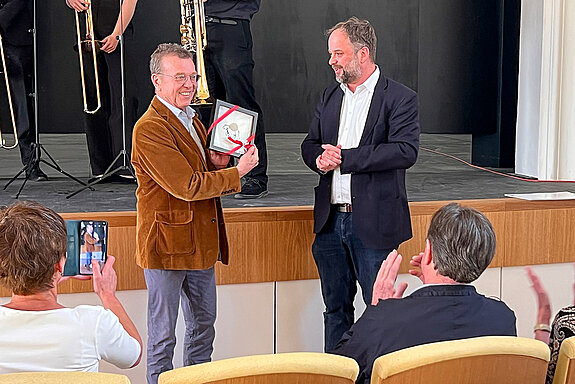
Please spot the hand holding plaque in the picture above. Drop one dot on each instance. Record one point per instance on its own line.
(248, 161)
(233, 129)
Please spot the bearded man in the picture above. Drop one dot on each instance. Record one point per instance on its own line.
(364, 135)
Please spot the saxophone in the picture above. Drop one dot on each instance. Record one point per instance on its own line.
(194, 39)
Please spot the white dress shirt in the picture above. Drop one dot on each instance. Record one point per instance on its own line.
(186, 118)
(353, 115)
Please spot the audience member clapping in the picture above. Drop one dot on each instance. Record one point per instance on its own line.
(563, 325)
(460, 245)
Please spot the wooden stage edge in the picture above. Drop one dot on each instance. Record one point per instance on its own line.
(274, 243)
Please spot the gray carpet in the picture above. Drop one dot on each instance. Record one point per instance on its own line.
(433, 177)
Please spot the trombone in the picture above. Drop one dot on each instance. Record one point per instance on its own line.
(3, 143)
(92, 46)
(196, 42)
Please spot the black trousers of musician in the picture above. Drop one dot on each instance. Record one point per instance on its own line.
(20, 68)
(104, 128)
(229, 69)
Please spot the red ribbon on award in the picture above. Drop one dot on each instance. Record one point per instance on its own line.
(239, 144)
(228, 112)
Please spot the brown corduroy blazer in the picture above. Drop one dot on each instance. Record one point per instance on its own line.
(89, 241)
(179, 214)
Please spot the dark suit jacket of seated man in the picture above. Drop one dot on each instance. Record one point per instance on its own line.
(446, 307)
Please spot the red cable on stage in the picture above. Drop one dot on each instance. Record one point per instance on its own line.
(495, 172)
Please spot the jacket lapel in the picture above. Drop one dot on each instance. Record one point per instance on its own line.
(202, 134)
(201, 130)
(167, 115)
(333, 112)
(374, 109)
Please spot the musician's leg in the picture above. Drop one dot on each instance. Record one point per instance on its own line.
(231, 54)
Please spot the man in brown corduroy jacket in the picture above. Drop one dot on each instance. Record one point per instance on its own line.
(180, 231)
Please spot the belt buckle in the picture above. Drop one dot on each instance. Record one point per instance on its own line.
(345, 207)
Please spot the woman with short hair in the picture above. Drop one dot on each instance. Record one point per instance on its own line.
(40, 334)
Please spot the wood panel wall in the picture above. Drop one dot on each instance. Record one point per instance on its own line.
(274, 243)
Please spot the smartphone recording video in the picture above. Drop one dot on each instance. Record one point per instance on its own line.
(93, 236)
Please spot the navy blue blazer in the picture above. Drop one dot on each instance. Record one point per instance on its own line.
(430, 314)
(388, 146)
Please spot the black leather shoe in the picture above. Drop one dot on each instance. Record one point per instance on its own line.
(36, 174)
(252, 189)
(124, 179)
(116, 179)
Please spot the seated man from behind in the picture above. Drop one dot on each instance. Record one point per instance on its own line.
(37, 332)
(460, 245)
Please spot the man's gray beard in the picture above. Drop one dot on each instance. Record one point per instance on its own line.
(349, 76)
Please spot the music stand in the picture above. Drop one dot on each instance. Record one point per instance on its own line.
(123, 154)
(37, 147)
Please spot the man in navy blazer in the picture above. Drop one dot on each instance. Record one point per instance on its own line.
(460, 245)
(364, 135)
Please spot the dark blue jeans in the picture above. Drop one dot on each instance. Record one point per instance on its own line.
(342, 261)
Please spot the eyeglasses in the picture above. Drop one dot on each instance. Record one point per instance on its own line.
(181, 78)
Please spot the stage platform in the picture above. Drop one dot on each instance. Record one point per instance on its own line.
(270, 238)
(434, 177)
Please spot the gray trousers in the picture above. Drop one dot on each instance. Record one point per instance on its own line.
(196, 290)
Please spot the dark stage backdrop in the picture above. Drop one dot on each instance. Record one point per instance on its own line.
(458, 65)
(290, 51)
(59, 90)
(450, 51)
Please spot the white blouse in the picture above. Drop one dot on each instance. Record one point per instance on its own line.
(65, 339)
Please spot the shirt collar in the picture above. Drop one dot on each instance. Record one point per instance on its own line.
(368, 84)
(436, 285)
(189, 111)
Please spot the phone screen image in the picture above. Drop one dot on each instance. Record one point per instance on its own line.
(93, 236)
